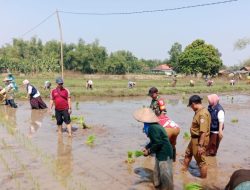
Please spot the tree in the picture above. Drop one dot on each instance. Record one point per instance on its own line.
(199, 57)
(174, 54)
(242, 43)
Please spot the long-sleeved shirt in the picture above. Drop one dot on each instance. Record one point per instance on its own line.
(159, 142)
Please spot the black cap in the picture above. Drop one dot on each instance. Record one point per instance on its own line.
(152, 91)
(194, 99)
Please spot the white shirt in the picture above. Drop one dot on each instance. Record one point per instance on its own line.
(221, 118)
(90, 82)
(30, 91)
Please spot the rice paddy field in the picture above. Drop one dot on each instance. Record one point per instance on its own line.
(33, 156)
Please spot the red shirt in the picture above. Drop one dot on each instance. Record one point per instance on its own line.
(60, 97)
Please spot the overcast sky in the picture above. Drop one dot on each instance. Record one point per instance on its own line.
(148, 35)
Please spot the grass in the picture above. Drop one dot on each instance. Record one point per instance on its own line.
(116, 85)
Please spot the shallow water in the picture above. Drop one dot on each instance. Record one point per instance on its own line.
(33, 156)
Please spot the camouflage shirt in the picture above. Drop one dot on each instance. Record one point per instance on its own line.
(158, 106)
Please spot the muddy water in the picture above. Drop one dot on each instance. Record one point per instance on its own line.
(33, 156)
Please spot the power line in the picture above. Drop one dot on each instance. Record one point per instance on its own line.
(147, 11)
(33, 28)
(127, 13)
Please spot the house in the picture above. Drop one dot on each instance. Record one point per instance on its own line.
(245, 69)
(166, 69)
(223, 73)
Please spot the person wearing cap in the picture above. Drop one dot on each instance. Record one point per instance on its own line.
(217, 124)
(159, 145)
(159, 107)
(9, 92)
(47, 85)
(200, 129)
(60, 97)
(36, 101)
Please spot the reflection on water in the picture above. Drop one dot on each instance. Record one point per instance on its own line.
(36, 118)
(8, 116)
(64, 159)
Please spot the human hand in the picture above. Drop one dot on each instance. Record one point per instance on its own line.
(220, 134)
(200, 150)
(145, 152)
(69, 110)
(50, 110)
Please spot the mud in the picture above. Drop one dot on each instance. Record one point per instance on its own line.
(33, 156)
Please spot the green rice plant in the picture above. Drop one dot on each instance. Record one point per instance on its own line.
(130, 158)
(90, 140)
(183, 95)
(138, 153)
(234, 120)
(74, 118)
(192, 186)
(53, 117)
(77, 105)
(186, 136)
(83, 124)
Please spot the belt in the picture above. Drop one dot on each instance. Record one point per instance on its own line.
(195, 136)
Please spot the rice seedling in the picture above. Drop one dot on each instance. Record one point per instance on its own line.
(83, 124)
(186, 136)
(48, 160)
(138, 153)
(234, 120)
(77, 105)
(192, 186)
(130, 158)
(90, 140)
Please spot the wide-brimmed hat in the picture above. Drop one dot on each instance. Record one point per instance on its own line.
(7, 79)
(145, 115)
(25, 82)
(194, 99)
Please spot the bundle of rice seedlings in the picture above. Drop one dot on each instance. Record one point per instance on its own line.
(130, 158)
(138, 153)
(192, 186)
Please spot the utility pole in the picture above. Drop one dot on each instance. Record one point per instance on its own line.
(60, 29)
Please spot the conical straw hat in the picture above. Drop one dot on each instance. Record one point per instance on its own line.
(6, 79)
(145, 115)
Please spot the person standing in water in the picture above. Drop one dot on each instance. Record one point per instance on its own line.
(60, 97)
(217, 124)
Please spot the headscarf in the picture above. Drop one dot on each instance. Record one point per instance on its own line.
(213, 99)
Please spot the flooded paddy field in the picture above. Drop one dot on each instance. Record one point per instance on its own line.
(33, 156)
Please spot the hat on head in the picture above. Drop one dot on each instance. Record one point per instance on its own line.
(145, 115)
(7, 79)
(194, 99)
(152, 91)
(25, 82)
(59, 80)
